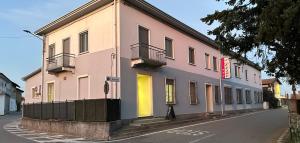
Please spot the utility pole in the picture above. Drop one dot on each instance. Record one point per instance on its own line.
(43, 56)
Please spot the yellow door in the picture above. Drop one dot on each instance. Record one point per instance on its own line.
(50, 92)
(144, 95)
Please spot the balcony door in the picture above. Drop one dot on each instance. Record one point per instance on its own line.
(66, 52)
(144, 42)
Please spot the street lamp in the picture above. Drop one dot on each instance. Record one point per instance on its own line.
(42, 69)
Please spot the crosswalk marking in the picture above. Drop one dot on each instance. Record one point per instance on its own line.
(187, 132)
(41, 137)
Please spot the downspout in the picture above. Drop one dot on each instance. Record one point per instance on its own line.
(43, 66)
(221, 88)
(116, 44)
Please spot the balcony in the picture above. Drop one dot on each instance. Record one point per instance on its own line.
(144, 55)
(61, 63)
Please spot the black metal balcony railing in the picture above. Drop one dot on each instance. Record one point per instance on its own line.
(150, 55)
(58, 62)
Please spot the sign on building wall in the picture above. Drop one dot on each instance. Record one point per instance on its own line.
(225, 65)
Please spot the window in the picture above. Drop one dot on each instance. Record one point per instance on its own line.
(207, 61)
(169, 47)
(83, 42)
(50, 92)
(170, 91)
(246, 74)
(34, 92)
(256, 97)
(215, 64)
(239, 96)
(217, 95)
(193, 93)
(51, 52)
(248, 97)
(228, 95)
(237, 72)
(254, 78)
(191, 56)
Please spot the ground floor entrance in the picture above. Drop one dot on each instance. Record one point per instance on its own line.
(209, 98)
(144, 95)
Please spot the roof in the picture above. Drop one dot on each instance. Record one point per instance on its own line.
(8, 80)
(32, 74)
(140, 5)
(270, 81)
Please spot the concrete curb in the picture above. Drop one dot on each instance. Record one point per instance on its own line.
(283, 137)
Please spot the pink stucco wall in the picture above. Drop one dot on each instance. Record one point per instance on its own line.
(132, 18)
(95, 65)
(34, 81)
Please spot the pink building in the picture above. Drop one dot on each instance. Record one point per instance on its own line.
(158, 59)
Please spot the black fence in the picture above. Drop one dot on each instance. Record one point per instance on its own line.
(94, 110)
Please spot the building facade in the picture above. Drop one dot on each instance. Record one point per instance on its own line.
(273, 85)
(159, 61)
(9, 95)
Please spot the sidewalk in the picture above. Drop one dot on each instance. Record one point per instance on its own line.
(132, 129)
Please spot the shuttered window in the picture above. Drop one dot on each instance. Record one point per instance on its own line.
(228, 95)
(169, 47)
(217, 95)
(83, 42)
(215, 63)
(248, 97)
(193, 93)
(239, 96)
(191, 56)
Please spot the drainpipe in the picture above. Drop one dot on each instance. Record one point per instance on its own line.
(116, 44)
(43, 66)
(221, 91)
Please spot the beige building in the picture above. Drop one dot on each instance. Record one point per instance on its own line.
(158, 60)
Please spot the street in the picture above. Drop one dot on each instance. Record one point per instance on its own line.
(6, 137)
(262, 127)
(259, 127)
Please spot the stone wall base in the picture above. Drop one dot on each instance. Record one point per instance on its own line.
(89, 130)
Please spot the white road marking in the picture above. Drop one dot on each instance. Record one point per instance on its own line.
(193, 125)
(205, 137)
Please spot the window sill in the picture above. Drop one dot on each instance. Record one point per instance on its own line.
(83, 53)
(207, 68)
(170, 58)
(192, 64)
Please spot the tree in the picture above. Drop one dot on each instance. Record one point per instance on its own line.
(271, 28)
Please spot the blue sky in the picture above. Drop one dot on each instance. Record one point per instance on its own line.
(21, 53)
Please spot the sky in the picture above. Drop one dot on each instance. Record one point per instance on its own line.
(21, 53)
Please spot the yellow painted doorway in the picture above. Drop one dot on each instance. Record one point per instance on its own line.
(144, 95)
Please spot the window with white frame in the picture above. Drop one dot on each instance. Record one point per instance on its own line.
(170, 91)
(193, 93)
(239, 96)
(191, 56)
(215, 63)
(237, 71)
(248, 97)
(217, 95)
(83, 42)
(207, 61)
(169, 47)
(246, 75)
(228, 95)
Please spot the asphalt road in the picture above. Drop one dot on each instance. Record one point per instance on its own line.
(6, 137)
(261, 127)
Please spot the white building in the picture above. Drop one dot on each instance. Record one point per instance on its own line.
(9, 95)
